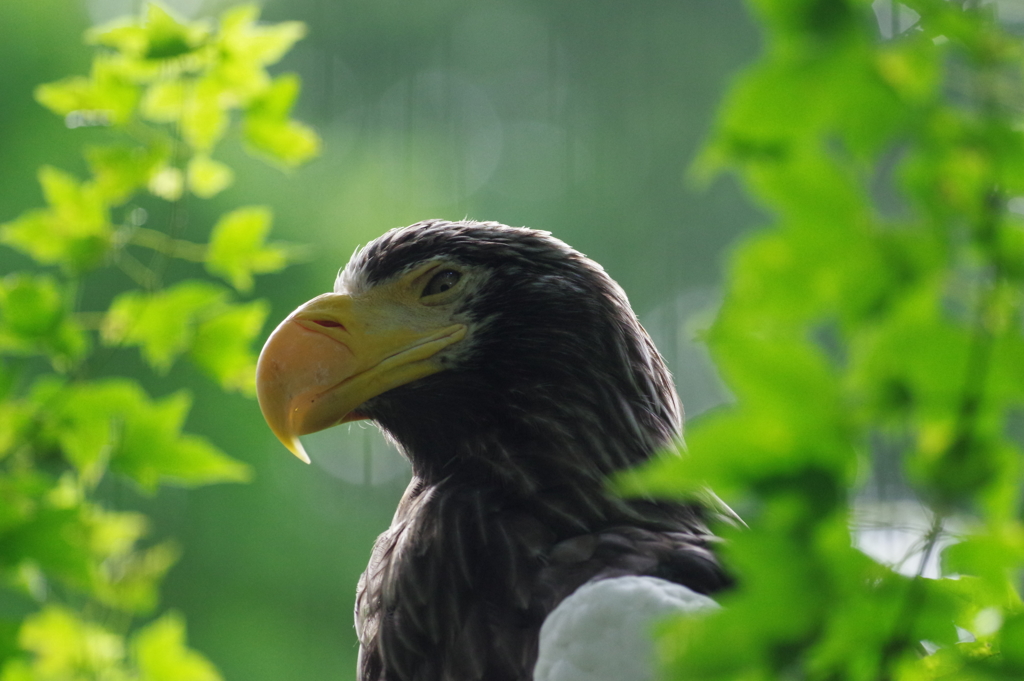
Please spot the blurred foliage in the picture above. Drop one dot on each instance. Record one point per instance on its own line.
(882, 310)
(164, 93)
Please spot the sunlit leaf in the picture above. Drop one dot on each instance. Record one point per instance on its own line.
(78, 205)
(223, 345)
(910, 68)
(263, 44)
(114, 533)
(15, 420)
(167, 38)
(7, 381)
(65, 646)
(71, 94)
(162, 324)
(124, 35)
(277, 102)
(55, 539)
(74, 231)
(290, 142)
(193, 462)
(107, 94)
(161, 653)
(207, 177)
(192, 317)
(21, 493)
(158, 36)
(30, 307)
(131, 582)
(8, 642)
(165, 101)
(33, 319)
(204, 119)
(57, 531)
(168, 183)
(115, 423)
(153, 450)
(17, 669)
(269, 130)
(120, 170)
(238, 247)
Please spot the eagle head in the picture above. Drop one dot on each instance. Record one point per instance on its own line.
(477, 347)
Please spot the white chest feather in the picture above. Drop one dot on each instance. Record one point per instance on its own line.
(602, 632)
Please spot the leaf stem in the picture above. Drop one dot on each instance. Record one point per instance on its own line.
(901, 630)
(166, 245)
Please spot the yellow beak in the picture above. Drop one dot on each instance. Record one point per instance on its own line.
(334, 353)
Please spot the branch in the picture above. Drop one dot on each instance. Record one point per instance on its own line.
(165, 245)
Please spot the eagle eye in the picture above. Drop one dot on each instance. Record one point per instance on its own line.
(441, 282)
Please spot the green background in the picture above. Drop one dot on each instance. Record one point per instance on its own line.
(578, 118)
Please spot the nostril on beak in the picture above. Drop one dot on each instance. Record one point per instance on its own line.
(329, 323)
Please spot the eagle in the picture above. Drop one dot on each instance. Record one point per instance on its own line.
(511, 371)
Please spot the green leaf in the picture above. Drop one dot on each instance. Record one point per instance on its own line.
(30, 307)
(913, 348)
(108, 93)
(162, 324)
(124, 35)
(166, 37)
(7, 381)
(268, 129)
(204, 119)
(131, 583)
(165, 101)
(30, 232)
(53, 538)
(33, 319)
(993, 557)
(195, 462)
(245, 40)
(114, 423)
(68, 647)
(86, 444)
(74, 231)
(20, 494)
(1012, 641)
(109, 568)
(238, 247)
(15, 421)
(78, 205)
(290, 142)
(120, 170)
(67, 95)
(910, 67)
(17, 669)
(193, 317)
(161, 653)
(153, 450)
(223, 345)
(8, 641)
(168, 183)
(114, 533)
(158, 36)
(207, 177)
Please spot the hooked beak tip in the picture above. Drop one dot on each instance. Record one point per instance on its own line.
(296, 448)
